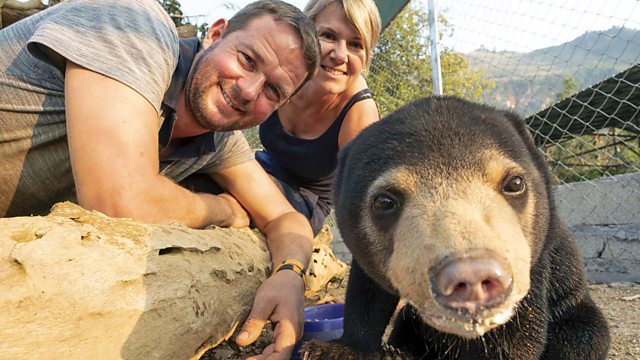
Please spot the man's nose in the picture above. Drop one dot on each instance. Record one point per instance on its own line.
(251, 86)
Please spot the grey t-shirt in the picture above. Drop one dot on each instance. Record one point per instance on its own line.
(231, 149)
(133, 41)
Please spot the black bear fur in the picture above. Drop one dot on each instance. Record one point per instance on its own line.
(557, 319)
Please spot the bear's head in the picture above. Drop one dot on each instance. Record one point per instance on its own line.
(446, 203)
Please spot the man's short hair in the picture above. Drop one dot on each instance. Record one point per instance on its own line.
(285, 13)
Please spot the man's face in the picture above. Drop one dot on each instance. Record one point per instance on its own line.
(240, 79)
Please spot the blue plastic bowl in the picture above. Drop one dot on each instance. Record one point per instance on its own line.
(321, 322)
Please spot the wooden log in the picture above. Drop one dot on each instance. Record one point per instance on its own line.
(22, 4)
(324, 265)
(14, 10)
(79, 285)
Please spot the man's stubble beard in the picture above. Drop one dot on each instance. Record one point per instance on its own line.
(196, 92)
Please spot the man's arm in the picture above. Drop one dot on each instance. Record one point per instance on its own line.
(113, 143)
(288, 232)
(281, 297)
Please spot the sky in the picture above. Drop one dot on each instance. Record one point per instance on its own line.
(215, 9)
(514, 25)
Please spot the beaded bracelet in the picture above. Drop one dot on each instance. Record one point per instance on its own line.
(294, 265)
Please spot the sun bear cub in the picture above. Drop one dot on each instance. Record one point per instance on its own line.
(447, 205)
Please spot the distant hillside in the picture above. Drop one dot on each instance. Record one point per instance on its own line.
(528, 82)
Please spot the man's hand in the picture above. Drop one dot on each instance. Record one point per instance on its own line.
(239, 217)
(280, 299)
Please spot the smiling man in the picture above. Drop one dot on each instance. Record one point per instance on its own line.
(82, 118)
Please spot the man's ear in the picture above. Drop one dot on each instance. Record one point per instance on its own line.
(215, 32)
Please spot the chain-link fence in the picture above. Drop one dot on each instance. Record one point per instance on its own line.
(573, 70)
(570, 68)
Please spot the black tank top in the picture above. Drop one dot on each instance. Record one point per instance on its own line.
(308, 163)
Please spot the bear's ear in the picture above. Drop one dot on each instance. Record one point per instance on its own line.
(517, 122)
(343, 158)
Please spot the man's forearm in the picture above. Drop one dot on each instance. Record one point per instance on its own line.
(289, 237)
(162, 201)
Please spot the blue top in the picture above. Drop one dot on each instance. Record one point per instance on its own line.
(304, 163)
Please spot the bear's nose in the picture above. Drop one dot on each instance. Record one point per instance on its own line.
(473, 283)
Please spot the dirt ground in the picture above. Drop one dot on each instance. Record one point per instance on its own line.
(620, 303)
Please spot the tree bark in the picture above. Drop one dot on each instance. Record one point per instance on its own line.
(77, 284)
(324, 265)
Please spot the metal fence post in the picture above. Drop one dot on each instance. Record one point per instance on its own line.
(435, 55)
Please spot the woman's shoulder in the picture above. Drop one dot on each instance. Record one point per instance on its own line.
(357, 93)
(358, 85)
(361, 112)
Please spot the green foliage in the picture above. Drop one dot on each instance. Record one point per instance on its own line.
(172, 7)
(569, 87)
(202, 30)
(401, 68)
(606, 153)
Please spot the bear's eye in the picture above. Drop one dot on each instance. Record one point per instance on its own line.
(514, 185)
(384, 203)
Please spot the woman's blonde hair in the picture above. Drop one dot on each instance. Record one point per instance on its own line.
(362, 14)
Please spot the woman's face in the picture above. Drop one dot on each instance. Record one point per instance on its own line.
(343, 51)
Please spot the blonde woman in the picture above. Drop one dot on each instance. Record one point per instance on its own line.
(302, 139)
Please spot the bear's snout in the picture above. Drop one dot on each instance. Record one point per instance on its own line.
(472, 283)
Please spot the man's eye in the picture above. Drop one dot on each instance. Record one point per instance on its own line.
(272, 93)
(247, 61)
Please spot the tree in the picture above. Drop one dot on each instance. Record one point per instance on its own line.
(569, 87)
(401, 68)
(172, 7)
(202, 30)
